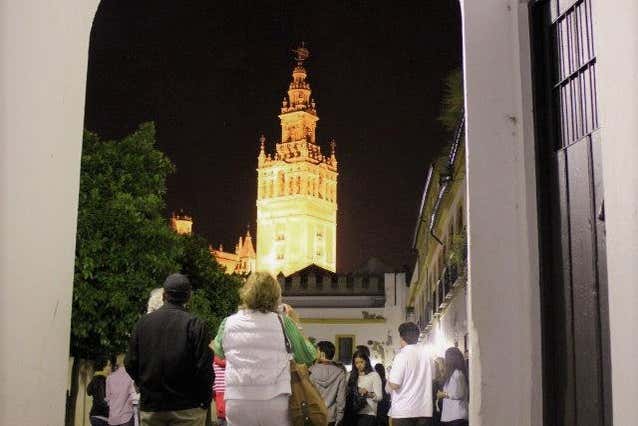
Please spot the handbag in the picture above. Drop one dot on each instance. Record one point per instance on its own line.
(306, 405)
(354, 403)
(355, 400)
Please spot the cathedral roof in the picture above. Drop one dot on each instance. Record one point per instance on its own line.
(246, 249)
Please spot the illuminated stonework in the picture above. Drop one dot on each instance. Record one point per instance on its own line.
(296, 188)
(182, 224)
(241, 262)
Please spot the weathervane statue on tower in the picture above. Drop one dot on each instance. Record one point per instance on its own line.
(301, 53)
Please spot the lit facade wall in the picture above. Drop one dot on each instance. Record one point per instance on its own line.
(182, 224)
(437, 296)
(296, 190)
(366, 307)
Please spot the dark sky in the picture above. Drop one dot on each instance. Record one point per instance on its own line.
(212, 75)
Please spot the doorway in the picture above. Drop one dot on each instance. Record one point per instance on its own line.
(577, 369)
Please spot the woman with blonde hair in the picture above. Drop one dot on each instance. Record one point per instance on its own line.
(257, 363)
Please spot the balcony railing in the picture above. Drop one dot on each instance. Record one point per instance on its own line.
(444, 289)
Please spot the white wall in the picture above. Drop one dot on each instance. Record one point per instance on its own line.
(362, 332)
(451, 326)
(43, 62)
(393, 313)
(616, 38)
(503, 307)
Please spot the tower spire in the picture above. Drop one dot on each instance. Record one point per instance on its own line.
(296, 187)
(262, 149)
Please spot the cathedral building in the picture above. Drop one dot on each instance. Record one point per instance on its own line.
(297, 188)
(181, 223)
(242, 261)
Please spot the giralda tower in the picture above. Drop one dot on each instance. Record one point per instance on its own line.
(296, 188)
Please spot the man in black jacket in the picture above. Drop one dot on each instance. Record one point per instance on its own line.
(171, 362)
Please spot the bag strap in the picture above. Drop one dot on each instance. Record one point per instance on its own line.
(286, 341)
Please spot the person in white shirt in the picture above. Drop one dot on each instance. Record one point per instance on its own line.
(455, 389)
(363, 392)
(410, 381)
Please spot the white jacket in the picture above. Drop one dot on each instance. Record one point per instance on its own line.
(257, 364)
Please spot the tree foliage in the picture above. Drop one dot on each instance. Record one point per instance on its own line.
(452, 103)
(125, 247)
(215, 294)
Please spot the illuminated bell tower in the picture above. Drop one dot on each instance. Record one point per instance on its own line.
(297, 188)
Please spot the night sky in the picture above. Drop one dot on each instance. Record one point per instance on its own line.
(211, 75)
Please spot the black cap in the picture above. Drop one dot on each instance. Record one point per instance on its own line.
(177, 284)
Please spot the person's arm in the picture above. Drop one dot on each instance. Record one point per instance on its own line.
(90, 388)
(203, 355)
(217, 343)
(395, 379)
(377, 387)
(341, 397)
(304, 352)
(131, 360)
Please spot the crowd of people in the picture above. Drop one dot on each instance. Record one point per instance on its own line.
(114, 394)
(180, 369)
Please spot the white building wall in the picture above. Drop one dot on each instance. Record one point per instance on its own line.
(616, 38)
(450, 328)
(43, 63)
(385, 331)
(503, 307)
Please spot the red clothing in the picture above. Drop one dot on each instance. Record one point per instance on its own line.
(219, 386)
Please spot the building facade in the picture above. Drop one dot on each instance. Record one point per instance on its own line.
(242, 261)
(437, 297)
(364, 307)
(181, 223)
(297, 188)
(42, 163)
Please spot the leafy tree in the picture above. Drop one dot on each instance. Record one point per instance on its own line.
(215, 294)
(124, 246)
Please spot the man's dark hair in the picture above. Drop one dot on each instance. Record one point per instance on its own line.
(113, 359)
(409, 332)
(100, 362)
(363, 348)
(177, 298)
(327, 348)
(177, 289)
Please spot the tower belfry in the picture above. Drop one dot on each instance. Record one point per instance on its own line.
(296, 187)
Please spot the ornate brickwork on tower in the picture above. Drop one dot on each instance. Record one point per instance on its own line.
(297, 188)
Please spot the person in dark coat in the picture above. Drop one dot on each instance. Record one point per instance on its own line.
(99, 414)
(170, 360)
(384, 405)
